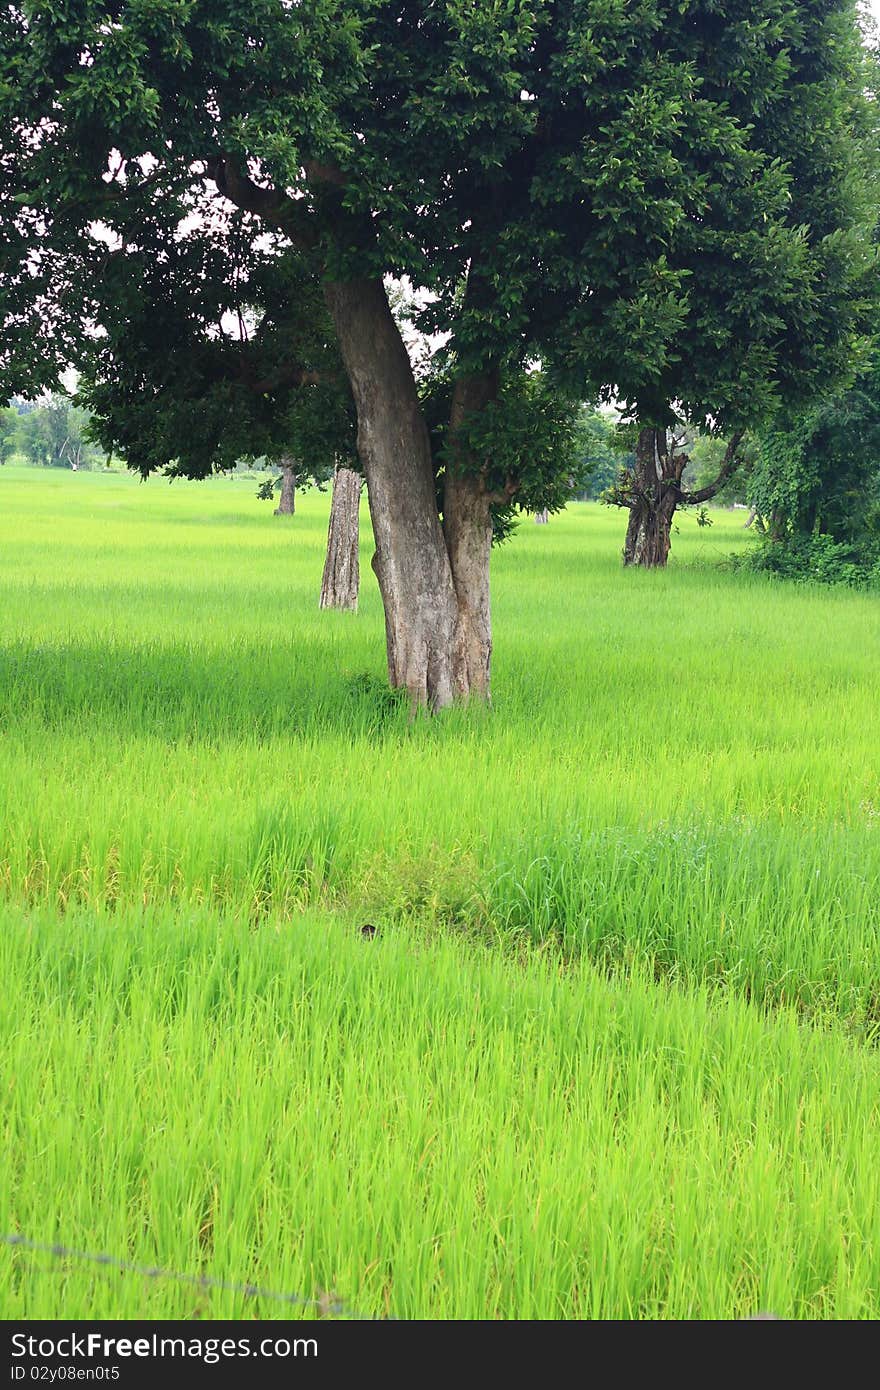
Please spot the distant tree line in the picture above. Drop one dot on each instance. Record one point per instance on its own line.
(49, 433)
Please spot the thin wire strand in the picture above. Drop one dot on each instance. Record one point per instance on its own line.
(329, 1305)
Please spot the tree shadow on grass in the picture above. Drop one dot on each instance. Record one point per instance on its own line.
(173, 691)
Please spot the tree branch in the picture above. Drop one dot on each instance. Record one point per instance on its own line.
(109, 194)
(325, 173)
(288, 376)
(290, 215)
(502, 496)
(729, 465)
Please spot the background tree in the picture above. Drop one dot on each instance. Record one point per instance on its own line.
(287, 497)
(761, 309)
(8, 433)
(283, 482)
(599, 453)
(548, 174)
(56, 434)
(651, 485)
(815, 486)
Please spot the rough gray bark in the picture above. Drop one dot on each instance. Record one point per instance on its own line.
(411, 561)
(542, 517)
(341, 579)
(287, 501)
(434, 579)
(654, 490)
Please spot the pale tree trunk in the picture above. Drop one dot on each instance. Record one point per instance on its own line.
(287, 501)
(339, 586)
(542, 517)
(467, 527)
(411, 561)
(656, 480)
(434, 579)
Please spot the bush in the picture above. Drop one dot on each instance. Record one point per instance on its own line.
(816, 559)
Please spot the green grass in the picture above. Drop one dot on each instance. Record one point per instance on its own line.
(423, 1129)
(630, 960)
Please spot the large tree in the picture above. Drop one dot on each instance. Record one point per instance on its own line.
(777, 299)
(541, 170)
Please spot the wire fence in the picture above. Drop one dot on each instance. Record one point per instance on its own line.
(327, 1305)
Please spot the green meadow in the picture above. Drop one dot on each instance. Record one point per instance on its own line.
(613, 1050)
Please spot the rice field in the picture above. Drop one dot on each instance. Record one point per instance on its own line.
(613, 1050)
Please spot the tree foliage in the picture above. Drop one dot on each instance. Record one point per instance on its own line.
(666, 198)
(8, 433)
(816, 486)
(523, 444)
(213, 350)
(599, 454)
(55, 434)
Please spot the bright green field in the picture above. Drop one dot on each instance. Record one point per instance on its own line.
(615, 1050)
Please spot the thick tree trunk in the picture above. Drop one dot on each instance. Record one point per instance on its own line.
(655, 491)
(287, 501)
(542, 517)
(339, 586)
(434, 579)
(411, 561)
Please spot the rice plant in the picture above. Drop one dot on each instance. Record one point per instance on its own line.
(611, 1051)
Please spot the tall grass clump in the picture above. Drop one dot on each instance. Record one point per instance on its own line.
(783, 915)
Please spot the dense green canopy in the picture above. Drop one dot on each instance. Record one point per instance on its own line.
(665, 198)
(213, 350)
(815, 484)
